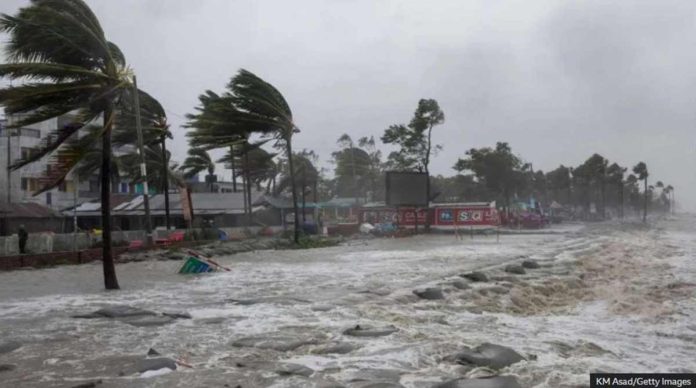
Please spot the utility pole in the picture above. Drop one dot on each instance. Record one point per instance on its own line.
(165, 181)
(75, 188)
(143, 168)
(9, 183)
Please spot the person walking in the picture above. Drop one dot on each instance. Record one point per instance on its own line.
(23, 236)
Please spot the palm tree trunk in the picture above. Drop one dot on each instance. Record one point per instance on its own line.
(110, 280)
(247, 191)
(645, 202)
(288, 146)
(621, 200)
(234, 170)
(165, 182)
(304, 189)
(427, 171)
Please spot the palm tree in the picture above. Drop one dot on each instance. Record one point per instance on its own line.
(307, 174)
(615, 174)
(641, 171)
(155, 129)
(256, 165)
(198, 160)
(670, 197)
(251, 106)
(60, 53)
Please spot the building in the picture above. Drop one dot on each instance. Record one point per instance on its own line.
(19, 186)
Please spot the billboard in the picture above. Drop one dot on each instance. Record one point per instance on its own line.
(407, 188)
(466, 216)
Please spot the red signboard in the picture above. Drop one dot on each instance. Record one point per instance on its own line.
(466, 216)
(442, 216)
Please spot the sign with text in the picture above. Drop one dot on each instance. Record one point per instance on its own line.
(466, 216)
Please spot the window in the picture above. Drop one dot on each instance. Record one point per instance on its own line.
(27, 152)
(48, 198)
(124, 187)
(25, 184)
(62, 187)
(28, 132)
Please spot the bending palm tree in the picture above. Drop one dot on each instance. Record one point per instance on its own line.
(59, 50)
(641, 170)
(155, 129)
(198, 160)
(252, 105)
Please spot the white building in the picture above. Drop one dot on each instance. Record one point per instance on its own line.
(18, 143)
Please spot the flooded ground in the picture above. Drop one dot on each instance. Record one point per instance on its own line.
(606, 297)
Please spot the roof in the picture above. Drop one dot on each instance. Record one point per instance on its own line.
(203, 203)
(93, 208)
(342, 202)
(27, 210)
(282, 202)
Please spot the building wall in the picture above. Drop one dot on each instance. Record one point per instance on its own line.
(24, 182)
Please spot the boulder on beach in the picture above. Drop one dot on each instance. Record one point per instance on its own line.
(488, 355)
(430, 293)
(279, 300)
(178, 315)
(280, 343)
(122, 311)
(475, 276)
(375, 378)
(364, 331)
(530, 264)
(89, 384)
(10, 346)
(460, 285)
(490, 382)
(149, 320)
(515, 268)
(289, 369)
(379, 384)
(148, 364)
(335, 348)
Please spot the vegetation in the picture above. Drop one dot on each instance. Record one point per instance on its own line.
(60, 52)
(249, 106)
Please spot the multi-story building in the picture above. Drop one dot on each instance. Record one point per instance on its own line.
(20, 185)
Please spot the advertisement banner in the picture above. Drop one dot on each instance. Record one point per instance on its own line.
(466, 216)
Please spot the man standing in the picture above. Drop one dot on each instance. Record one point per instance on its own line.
(23, 236)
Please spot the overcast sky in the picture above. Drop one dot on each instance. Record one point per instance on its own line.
(558, 80)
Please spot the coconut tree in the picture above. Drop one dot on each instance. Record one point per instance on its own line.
(250, 106)
(615, 175)
(641, 171)
(254, 162)
(60, 54)
(155, 129)
(670, 193)
(198, 160)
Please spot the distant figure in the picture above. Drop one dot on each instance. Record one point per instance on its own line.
(23, 236)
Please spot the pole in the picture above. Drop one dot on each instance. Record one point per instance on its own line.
(165, 182)
(6, 230)
(9, 171)
(143, 168)
(75, 187)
